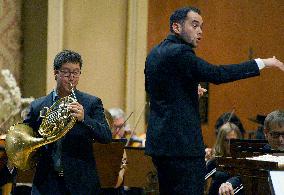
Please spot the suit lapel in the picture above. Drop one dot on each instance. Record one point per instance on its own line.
(79, 96)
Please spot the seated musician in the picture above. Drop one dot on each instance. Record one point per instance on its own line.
(232, 118)
(274, 133)
(224, 118)
(221, 148)
(121, 129)
(274, 129)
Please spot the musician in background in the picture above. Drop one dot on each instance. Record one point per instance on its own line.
(68, 165)
(224, 118)
(221, 148)
(274, 132)
(274, 129)
(232, 118)
(121, 129)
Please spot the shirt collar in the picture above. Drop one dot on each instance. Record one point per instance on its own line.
(178, 39)
(55, 95)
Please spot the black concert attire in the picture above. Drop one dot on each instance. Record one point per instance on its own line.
(174, 138)
(68, 166)
(220, 177)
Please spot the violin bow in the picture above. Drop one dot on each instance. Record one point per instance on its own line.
(116, 131)
(136, 123)
(231, 115)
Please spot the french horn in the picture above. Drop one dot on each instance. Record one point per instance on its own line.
(22, 142)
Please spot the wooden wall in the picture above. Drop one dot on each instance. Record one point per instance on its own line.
(234, 31)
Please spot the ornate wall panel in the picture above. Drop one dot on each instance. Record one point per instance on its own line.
(10, 36)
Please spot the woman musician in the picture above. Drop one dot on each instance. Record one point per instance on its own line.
(221, 182)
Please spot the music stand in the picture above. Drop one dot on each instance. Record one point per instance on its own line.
(140, 171)
(108, 161)
(240, 148)
(253, 173)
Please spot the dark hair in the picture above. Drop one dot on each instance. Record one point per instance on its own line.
(180, 15)
(66, 56)
(224, 119)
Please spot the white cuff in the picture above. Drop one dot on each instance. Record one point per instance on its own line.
(260, 63)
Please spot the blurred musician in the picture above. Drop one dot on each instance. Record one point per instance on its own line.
(274, 129)
(224, 118)
(121, 129)
(232, 118)
(274, 132)
(226, 132)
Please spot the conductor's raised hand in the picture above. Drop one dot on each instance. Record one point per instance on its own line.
(201, 91)
(273, 62)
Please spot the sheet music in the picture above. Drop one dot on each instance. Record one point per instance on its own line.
(270, 158)
(277, 178)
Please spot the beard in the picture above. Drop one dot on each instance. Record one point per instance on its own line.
(187, 38)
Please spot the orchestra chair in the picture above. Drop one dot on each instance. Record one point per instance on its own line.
(108, 161)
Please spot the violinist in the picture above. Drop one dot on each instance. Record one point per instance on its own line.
(221, 148)
(224, 118)
(121, 129)
(274, 132)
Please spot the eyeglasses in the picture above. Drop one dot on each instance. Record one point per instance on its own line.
(67, 73)
(276, 134)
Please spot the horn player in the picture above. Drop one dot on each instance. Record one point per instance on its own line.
(67, 166)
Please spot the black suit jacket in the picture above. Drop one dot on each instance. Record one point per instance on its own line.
(78, 162)
(172, 74)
